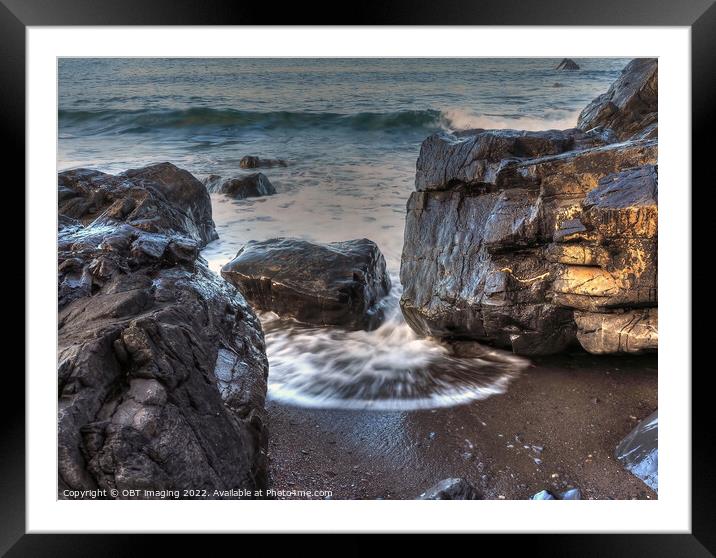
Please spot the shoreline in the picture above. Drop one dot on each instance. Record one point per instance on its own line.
(577, 407)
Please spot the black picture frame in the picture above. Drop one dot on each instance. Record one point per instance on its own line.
(16, 15)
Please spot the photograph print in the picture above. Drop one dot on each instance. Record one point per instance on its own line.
(357, 279)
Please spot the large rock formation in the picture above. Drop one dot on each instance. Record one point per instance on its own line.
(630, 107)
(510, 232)
(339, 284)
(158, 198)
(161, 365)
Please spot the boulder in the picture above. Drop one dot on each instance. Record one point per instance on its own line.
(510, 232)
(161, 364)
(341, 283)
(630, 331)
(241, 187)
(567, 64)
(638, 452)
(253, 162)
(630, 107)
(451, 489)
(159, 198)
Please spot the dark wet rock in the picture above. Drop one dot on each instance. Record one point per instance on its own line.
(253, 162)
(639, 451)
(509, 233)
(567, 64)
(543, 495)
(159, 198)
(630, 107)
(340, 283)
(475, 157)
(240, 187)
(451, 489)
(161, 364)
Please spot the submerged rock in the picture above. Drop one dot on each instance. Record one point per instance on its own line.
(241, 187)
(567, 64)
(509, 232)
(451, 489)
(159, 198)
(630, 107)
(161, 365)
(253, 162)
(340, 283)
(639, 451)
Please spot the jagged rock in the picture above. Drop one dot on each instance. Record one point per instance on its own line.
(630, 107)
(340, 283)
(451, 489)
(474, 157)
(508, 233)
(639, 451)
(631, 331)
(619, 260)
(159, 198)
(161, 365)
(253, 162)
(478, 258)
(567, 64)
(240, 187)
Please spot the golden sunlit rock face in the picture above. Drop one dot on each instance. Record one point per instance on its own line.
(538, 240)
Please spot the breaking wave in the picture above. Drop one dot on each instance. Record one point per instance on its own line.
(143, 121)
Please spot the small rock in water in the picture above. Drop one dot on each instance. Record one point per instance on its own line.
(567, 64)
(543, 495)
(253, 162)
(451, 489)
(240, 187)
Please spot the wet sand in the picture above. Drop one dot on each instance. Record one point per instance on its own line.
(555, 428)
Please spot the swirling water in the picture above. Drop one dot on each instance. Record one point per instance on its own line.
(350, 130)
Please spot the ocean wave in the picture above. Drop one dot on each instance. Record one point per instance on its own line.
(136, 121)
(88, 122)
